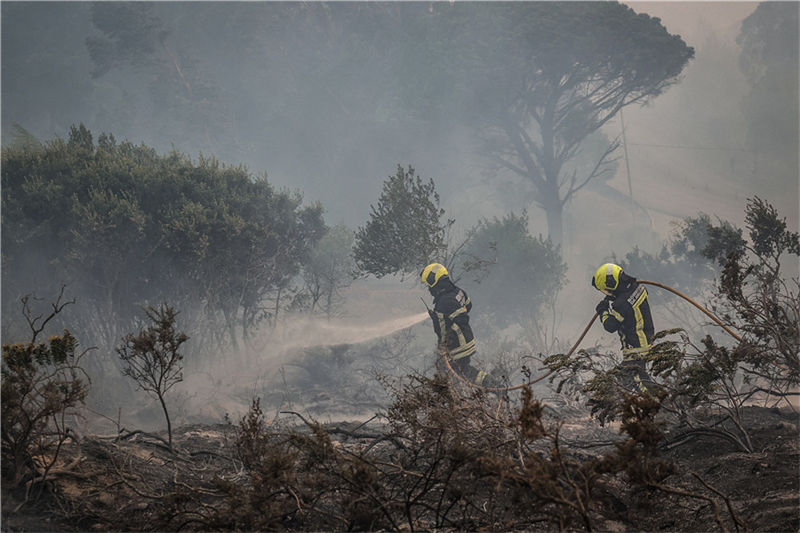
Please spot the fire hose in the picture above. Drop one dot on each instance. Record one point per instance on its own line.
(580, 338)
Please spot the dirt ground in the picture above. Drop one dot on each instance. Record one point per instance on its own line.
(764, 487)
(114, 483)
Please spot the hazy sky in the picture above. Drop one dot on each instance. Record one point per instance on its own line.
(665, 126)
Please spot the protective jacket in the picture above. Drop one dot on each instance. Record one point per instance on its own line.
(628, 313)
(450, 315)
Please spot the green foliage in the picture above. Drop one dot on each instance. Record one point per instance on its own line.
(769, 235)
(151, 357)
(599, 376)
(692, 257)
(698, 238)
(42, 382)
(151, 72)
(516, 274)
(763, 299)
(123, 226)
(405, 231)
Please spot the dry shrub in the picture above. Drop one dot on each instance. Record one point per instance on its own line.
(445, 459)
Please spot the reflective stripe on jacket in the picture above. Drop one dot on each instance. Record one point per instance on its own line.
(629, 315)
(451, 307)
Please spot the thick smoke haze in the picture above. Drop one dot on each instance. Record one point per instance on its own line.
(685, 151)
(320, 113)
(691, 137)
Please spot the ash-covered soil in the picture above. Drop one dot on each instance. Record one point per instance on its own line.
(125, 482)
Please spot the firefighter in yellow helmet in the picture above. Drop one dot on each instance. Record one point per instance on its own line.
(450, 316)
(625, 310)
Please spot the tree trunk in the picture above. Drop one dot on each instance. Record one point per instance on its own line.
(555, 222)
(166, 415)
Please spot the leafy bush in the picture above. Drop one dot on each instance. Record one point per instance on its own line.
(516, 275)
(692, 257)
(42, 382)
(405, 231)
(123, 226)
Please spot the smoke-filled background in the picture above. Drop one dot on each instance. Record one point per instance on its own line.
(327, 100)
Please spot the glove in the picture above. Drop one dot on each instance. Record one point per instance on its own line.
(431, 314)
(603, 306)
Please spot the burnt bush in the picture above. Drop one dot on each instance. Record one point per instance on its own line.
(443, 458)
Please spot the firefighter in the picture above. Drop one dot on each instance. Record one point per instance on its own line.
(625, 310)
(450, 316)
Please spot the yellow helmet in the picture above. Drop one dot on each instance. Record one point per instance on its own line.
(606, 278)
(432, 273)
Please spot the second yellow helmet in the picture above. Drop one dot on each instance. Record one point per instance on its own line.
(606, 278)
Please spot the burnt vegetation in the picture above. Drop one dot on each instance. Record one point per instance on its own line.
(442, 456)
(322, 94)
(439, 458)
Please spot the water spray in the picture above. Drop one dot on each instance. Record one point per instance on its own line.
(330, 334)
